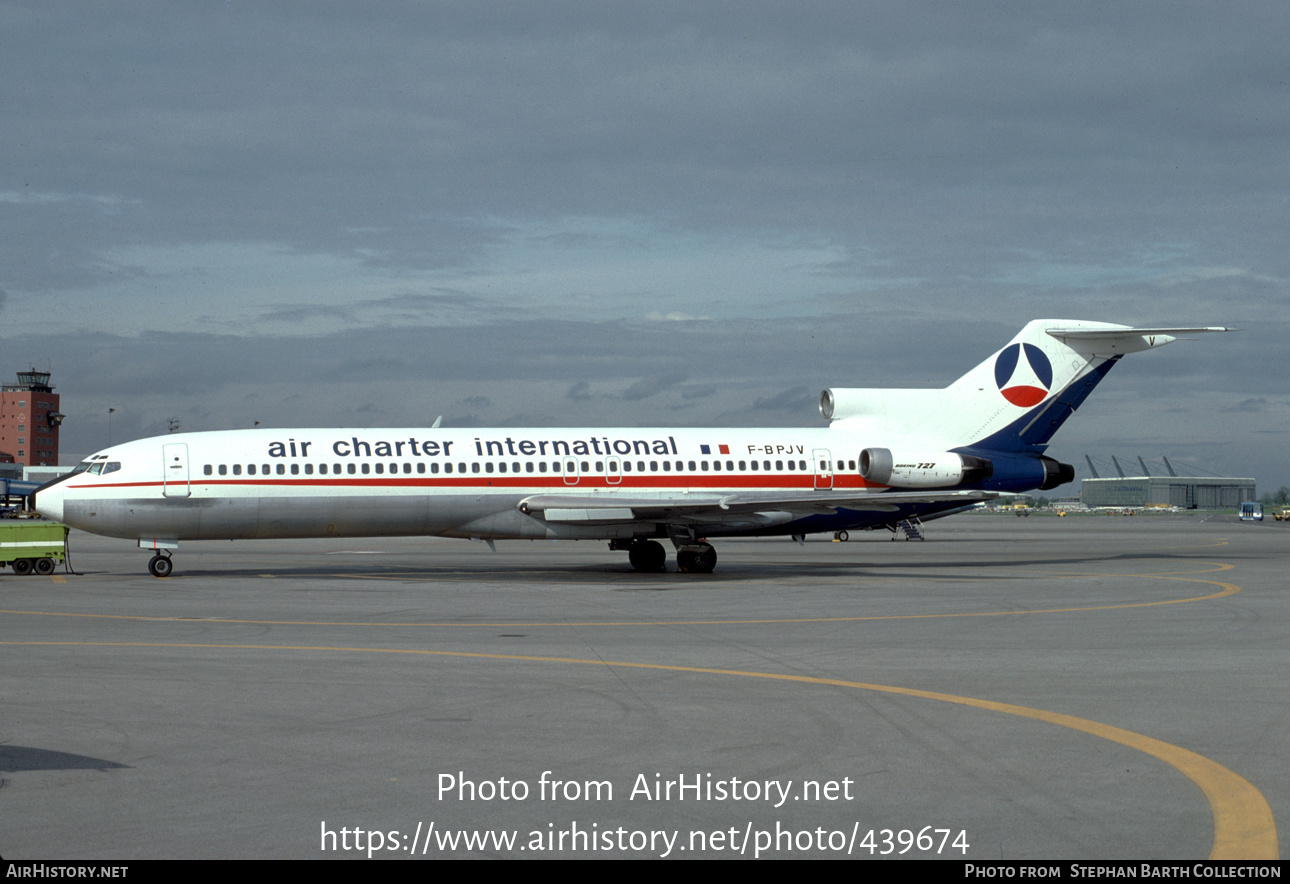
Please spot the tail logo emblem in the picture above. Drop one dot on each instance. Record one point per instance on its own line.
(1024, 374)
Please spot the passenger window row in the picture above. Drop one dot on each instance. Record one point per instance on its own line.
(558, 467)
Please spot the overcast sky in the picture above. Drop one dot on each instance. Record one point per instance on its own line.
(559, 213)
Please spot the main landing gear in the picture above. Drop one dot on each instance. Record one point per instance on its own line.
(160, 565)
(649, 556)
(696, 558)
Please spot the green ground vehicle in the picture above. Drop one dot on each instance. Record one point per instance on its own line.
(30, 545)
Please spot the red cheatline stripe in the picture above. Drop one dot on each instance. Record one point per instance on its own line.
(805, 481)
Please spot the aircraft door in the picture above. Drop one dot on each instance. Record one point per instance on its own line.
(613, 471)
(174, 469)
(570, 471)
(823, 468)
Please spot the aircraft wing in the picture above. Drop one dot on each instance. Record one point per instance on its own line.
(754, 508)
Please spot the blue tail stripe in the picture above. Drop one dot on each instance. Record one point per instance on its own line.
(1032, 430)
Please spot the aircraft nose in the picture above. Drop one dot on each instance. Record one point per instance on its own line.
(49, 503)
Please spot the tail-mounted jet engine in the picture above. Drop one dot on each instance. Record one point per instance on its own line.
(922, 469)
(1056, 473)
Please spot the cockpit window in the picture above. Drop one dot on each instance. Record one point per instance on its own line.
(95, 467)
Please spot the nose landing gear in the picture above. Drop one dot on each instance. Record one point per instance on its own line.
(160, 565)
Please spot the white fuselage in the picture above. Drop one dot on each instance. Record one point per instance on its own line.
(452, 482)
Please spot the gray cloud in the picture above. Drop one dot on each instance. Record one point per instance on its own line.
(647, 387)
(1252, 405)
(305, 313)
(792, 399)
(437, 202)
(699, 391)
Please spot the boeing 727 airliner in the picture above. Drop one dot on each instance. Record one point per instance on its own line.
(886, 455)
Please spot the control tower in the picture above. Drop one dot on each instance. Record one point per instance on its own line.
(29, 420)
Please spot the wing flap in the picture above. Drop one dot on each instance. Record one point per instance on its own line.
(589, 514)
(710, 509)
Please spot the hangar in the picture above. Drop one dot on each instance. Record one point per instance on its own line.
(1184, 492)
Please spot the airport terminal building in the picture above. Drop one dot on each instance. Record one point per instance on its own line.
(1184, 492)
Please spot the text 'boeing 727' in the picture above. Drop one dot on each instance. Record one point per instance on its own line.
(886, 455)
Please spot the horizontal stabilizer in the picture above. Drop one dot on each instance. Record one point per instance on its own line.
(1125, 340)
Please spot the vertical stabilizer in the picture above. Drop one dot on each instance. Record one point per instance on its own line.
(1014, 401)
(1037, 381)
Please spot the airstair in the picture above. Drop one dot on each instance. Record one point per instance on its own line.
(911, 527)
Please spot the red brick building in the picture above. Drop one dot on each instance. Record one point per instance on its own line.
(29, 420)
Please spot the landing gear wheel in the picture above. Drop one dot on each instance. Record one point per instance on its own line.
(705, 559)
(160, 566)
(22, 567)
(647, 556)
(44, 567)
(698, 558)
(841, 536)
